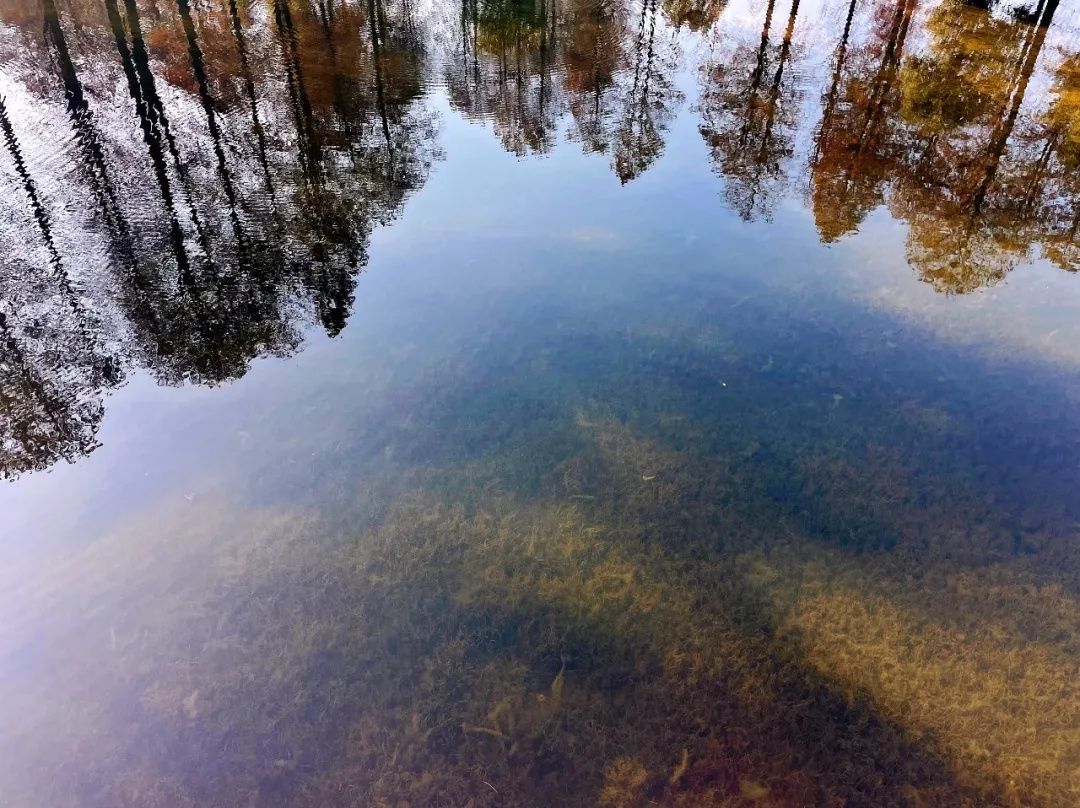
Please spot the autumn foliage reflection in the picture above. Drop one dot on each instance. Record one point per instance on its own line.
(191, 185)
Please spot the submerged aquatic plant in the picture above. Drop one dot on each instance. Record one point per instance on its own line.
(598, 612)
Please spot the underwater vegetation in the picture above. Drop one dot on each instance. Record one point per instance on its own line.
(634, 632)
(667, 570)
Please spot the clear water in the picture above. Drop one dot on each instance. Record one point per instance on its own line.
(570, 402)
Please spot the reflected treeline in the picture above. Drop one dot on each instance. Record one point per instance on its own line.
(748, 115)
(606, 66)
(189, 184)
(187, 187)
(949, 135)
(955, 116)
(939, 136)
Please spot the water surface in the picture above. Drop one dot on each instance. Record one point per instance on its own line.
(569, 402)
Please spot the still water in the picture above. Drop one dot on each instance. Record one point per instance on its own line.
(539, 402)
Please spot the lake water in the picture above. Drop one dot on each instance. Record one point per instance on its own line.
(539, 402)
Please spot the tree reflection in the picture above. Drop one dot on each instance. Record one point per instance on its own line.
(225, 163)
(1053, 189)
(605, 64)
(503, 71)
(648, 102)
(963, 103)
(45, 412)
(52, 360)
(850, 166)
(748, 117)
(938, 136)
(697, 15)
(594, 57)
(285, 136)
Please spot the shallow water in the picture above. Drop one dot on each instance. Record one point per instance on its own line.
(573, 403)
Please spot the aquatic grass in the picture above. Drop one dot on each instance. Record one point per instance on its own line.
(611, 605)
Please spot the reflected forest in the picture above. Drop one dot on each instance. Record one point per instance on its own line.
(188, 186)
